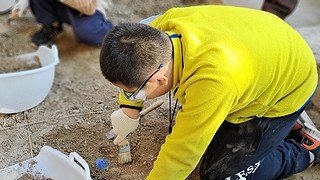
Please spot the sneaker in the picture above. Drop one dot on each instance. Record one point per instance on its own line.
(305, 132)
(311, 141)
(304, 118)
(46, 36)
(310, 136)
(295, 131)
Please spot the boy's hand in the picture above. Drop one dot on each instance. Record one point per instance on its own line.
(20, 7)
(122, 125)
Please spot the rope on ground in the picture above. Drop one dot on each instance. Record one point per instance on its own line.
(49, 121)
(25, 113)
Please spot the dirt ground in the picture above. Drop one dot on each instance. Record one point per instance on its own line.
(75, 116)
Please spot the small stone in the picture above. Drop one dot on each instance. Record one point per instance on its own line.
(76, 111)
(66, 126)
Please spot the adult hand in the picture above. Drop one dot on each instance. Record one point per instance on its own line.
(122, 125)
(19, 7)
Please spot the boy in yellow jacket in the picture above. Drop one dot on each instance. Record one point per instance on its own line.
(242, 76)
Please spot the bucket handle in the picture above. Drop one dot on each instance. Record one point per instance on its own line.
(84, 164)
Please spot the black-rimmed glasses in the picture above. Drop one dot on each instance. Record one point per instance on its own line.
(138, 94)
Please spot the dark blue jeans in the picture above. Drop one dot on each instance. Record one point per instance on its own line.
(87, 29)
(254, 150)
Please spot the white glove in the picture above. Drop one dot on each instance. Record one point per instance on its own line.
(122, 125)
(20, 6)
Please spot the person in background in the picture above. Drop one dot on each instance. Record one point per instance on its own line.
(281, 8)
(242, 77)
(88, 23)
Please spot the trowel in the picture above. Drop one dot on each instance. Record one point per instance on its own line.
(4, 28)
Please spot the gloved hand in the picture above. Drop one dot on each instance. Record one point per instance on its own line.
(20, 6)
(122, 125)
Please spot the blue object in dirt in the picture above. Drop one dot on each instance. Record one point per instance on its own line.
(102, 163)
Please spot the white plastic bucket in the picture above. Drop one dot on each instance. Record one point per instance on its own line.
(5, 5)
(20, 91)
(50, 163)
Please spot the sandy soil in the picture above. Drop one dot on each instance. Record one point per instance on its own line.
(13, 64)
(75, 116)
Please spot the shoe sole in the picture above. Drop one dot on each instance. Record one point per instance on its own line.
(48, 43)
(304, 118)
(312, 135)
(309, 130)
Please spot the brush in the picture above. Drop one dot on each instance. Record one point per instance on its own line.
(124, 153)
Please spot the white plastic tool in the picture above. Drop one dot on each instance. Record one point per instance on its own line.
(20, 91)
(49, 163)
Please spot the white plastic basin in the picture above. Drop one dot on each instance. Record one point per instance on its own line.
(49, 163)
(20, 91)
(5, 5)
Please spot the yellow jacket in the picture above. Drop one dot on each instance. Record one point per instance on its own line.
(229, 64)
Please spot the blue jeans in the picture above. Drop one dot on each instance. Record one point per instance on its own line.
(87, 29)
(254, 150)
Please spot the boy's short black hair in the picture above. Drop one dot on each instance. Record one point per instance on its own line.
(132, 51)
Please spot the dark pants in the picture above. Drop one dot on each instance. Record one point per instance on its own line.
(87, 29)
(254, 150)
(281, 8)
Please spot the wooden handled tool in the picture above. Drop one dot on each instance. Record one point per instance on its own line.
(151, 107)
(124, 154)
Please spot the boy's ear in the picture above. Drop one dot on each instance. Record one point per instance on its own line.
(161, 79)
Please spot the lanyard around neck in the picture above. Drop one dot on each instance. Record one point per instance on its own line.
(171, 115)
